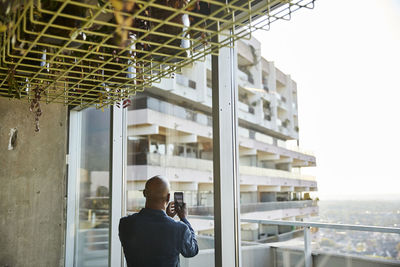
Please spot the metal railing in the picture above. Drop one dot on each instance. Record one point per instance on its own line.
(257, 207)
(93, 246)
(171, 109)
(307, 232)
(154, 159)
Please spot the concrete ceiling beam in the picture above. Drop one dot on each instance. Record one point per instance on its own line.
(268, 157)
(184, 186)
(284, 160)
(143, 130)
(248, 188)
(187, 138)
(300, 163)
(247, 152)
(269, 188)
(287, 188)
(302, 189)
(205, 187)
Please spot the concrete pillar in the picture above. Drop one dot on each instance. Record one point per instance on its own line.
(272, 90)
(33, 185)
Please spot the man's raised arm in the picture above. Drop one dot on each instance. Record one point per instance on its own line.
(189, 246)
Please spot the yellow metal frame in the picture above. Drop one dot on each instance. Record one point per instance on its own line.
(86, 66)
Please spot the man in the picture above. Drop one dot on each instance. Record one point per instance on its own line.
(151, 237)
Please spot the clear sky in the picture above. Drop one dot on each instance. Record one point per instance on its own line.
(345, 57)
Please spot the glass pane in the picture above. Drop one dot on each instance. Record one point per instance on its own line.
(93, 214)
(351, 124)
(170, 134)
(358, 246)
(272, 184)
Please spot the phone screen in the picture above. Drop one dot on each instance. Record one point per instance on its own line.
(178, 198)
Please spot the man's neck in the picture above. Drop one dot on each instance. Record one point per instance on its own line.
(155, 206)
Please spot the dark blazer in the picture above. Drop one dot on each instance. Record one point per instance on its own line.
(151, 238)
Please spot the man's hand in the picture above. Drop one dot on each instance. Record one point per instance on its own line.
(182, 211)
(171, 211)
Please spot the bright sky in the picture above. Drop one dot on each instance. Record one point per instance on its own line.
(345, 57)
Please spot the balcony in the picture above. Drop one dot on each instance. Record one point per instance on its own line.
(185, 81)
(265, 66)
(244, 78)
(253, 253)
(171, 109)
(246, 114)
(282, 105)
(182, 169)
(207, 165)
(151, 111)
(280, 77)
(257, 171)
(267, 206)
(179, 162)
(300, 253)
(267, 255)
(245, 52)
(258, 207)
(245, 108)
(296, 148)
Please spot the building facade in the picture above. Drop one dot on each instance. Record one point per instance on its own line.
(170, 134)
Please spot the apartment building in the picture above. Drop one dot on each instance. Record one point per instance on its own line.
(170, 134)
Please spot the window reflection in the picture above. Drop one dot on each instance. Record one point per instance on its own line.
(92, 232)
(272, 186)
(170, 134)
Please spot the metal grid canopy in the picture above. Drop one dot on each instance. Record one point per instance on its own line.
(96, 52)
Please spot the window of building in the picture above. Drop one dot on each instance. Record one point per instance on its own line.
(180, 149)
(91, 193)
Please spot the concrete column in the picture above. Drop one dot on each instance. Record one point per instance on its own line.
(33, 185)
(289, 99)
(272, 91)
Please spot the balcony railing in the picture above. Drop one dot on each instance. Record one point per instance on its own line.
(179, 162)
(257, 207)
(280, 76)
(296, 148)
(207, 165)
(245, 77)
(168, 108)
(257, 171)
(270, 254)
(93, 245)
(185, 81)
(203, 119)
(300, 150)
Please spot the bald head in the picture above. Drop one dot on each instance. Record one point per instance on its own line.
(156, 190)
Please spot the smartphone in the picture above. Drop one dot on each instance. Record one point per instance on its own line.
(178, 199)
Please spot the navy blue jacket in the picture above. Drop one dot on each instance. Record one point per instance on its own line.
(151, 238)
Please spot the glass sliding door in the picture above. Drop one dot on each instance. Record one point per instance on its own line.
(89, 192)
(169, 133)
(272, 186)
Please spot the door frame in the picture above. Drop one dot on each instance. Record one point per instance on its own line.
(117, 183)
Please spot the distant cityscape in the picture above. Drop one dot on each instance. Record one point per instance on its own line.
(363, 212)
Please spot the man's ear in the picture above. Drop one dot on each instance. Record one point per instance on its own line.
(144, 193)
(168, 197)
